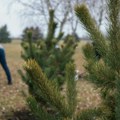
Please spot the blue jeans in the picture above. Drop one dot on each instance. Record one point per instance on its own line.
(4, 65)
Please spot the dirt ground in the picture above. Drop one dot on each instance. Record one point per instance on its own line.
(11, 96)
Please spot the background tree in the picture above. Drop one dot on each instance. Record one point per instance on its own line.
(4, 34)
(51, 54)
(104, 73)
(36, 33)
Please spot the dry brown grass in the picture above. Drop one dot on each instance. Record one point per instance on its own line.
(11, 97)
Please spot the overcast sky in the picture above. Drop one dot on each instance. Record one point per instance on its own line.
(10, 15)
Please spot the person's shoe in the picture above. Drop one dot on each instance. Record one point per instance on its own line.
(9, 82)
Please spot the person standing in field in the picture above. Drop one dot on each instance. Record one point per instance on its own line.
(4, 64)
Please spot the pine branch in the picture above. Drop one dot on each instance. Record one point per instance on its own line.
(89, 52)
(114, 57)
(114, 33)
(71, 88)
(105, 74)
(29, 34)
(38, 111)
(89, 24)
(51, 28)
(100, 75)
(117, 97)
(49, 90)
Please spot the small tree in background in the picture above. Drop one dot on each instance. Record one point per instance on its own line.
(4, 34)
(36, 33)
(104, 73)
(51, 54)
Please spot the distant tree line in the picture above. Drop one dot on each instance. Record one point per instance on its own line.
(36, 33)
(4, 34)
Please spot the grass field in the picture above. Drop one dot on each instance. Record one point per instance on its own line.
(11, 97)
